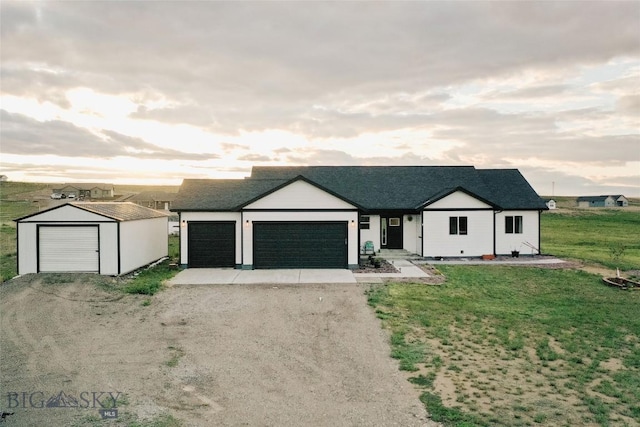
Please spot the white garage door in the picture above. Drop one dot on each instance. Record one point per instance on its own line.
(68, 248)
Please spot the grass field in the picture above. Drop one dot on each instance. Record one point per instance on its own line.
(610, 237)
(517, 346)
(506, 346)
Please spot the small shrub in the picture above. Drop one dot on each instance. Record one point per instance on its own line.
(540, 418)
(149, 281)
(545, 353)
(423, 381)
(617, 251)
(175, 358)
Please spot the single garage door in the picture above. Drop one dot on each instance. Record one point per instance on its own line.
(212, 244)
(300, 245)
(68, 248)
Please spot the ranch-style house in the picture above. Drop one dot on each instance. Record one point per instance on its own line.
(322, 216)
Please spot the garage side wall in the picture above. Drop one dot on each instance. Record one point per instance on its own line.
(27, 248)
(108, 248)
(186, 217)
(142, 242)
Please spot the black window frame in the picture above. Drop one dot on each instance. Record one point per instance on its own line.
(513, 224)
(365, 224)
(458, 226)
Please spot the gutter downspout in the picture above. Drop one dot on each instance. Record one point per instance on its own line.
(539, 232)
(179, 238)
(495, 237)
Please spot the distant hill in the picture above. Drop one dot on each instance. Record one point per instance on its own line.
(10, 190)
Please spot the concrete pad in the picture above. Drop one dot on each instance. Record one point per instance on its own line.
(326, 276)
(205, 276)
(227, 276)
(511, 261)
(267, 276)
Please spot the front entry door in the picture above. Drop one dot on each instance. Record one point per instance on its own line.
(391, 229)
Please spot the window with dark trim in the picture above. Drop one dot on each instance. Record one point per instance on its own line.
(513, 224)
(458, 225)
(365, 222)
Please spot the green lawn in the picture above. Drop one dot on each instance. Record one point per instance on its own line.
(14, 203)
(511, 346)
(610, 237)
(517, 346)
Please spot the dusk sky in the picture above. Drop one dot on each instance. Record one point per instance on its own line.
(154, 92)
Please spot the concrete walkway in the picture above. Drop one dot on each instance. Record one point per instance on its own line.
(511, 261)
(229, 276)
(408, 269)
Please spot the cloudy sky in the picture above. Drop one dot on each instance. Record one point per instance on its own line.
(154, 92)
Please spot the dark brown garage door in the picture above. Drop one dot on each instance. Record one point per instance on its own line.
(300, 245)
(212, 244)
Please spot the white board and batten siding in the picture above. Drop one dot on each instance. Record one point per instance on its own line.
(507, 242)
(372, 234)
(412, 233)
(436, 238)
(142, 242)
(301, 201)
(299, 195)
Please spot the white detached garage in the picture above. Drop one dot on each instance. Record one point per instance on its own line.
(109, 238)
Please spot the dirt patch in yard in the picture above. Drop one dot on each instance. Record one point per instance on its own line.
(201, 355)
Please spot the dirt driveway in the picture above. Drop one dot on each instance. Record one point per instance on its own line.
(223, 355)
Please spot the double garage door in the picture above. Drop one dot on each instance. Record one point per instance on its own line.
(68, 249)
(275, 244)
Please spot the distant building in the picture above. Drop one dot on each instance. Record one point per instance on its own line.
(87, 190)
(551, 204)
(4, 178)
(154, 199)
(605, 201)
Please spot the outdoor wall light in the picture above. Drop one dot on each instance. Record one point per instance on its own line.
(353, 222)
(184, 223)
(246, 223)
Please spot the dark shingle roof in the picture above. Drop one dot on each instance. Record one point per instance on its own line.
(370, 187)
(510, 190)
(220, 194)
(380, 187)
(120, 211)
(162, 196)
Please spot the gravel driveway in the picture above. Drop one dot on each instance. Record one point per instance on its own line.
(222, 355)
